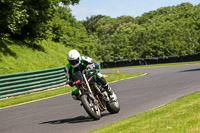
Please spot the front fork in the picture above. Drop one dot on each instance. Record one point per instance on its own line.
(89, 90)
(88, 86)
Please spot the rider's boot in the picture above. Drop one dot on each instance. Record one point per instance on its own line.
(110, 92)
(104, 84)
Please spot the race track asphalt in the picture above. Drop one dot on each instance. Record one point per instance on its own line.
(62, 114)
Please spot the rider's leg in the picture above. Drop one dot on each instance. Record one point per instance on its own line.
(104, 84)
(75, 94)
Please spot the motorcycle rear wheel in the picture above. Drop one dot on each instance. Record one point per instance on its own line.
(89, 106)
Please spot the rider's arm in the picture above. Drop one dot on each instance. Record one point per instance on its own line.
(67, 76)
(89, 62)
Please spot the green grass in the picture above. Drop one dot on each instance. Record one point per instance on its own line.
(20, 57)
(179, 116)
(53, 92)
(117, 76)
(16, 56)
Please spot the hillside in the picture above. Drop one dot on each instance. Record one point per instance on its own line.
(173, 30)
(19, 57)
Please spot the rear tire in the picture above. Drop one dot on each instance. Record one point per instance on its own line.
(92, 109)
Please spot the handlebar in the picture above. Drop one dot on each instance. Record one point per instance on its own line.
(89, 70)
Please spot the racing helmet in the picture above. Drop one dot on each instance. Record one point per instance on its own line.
(74, 58)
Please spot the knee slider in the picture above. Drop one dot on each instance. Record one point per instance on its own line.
(99, 75)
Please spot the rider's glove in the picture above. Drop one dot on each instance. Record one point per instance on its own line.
(70, 83)
(90, 66)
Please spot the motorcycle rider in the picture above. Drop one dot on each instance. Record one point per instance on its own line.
(80, 63)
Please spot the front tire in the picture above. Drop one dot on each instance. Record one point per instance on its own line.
(89, 106)
(113, 107)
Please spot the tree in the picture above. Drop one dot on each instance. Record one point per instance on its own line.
(28, 19)
(91, 23)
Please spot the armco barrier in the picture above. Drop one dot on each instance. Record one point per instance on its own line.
(189, 57)
(154, 60)
(163, 60)
(122, 63)
(20, 83)
(173, 59)
(109, 64)
(136, 62)
(149, 61)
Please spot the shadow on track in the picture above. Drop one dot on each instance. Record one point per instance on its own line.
(78, 119)
(191, 70)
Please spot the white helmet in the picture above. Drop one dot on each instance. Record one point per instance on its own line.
(74, 58)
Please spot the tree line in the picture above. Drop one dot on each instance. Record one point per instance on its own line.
(173, 30)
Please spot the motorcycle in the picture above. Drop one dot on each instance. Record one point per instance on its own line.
(93, 97)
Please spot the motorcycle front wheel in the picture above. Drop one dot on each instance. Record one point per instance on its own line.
(89, 106)
(114, 107)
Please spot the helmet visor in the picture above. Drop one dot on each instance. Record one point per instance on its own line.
(74, 62)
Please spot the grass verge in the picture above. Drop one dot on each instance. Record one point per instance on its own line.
(179, 116)
(23, 57)
(53, 92)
